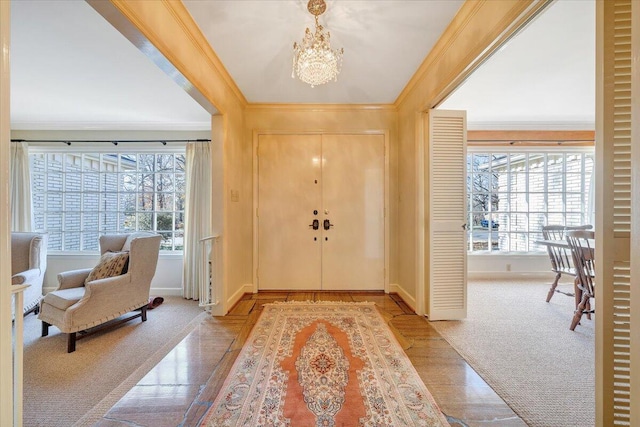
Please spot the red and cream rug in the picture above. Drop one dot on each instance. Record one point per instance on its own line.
(323, 364)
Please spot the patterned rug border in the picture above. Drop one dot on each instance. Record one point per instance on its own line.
(320, 302)
(224, 390)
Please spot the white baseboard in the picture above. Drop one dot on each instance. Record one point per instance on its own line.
(233, 299)
(394, 288)
(488, 275)
(169, 292)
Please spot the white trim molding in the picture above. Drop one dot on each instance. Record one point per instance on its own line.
(237, 296)
(531, 125)
(395, 288)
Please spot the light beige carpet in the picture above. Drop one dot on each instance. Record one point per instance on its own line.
(522, 346)
(60, 387)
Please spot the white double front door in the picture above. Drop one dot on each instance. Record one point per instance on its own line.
(321, 207)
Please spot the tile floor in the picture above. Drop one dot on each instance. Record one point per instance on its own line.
(180, 389)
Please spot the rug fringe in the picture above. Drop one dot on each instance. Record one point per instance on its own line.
(321, 302)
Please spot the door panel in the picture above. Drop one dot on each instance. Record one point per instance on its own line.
(353, 201)
(342, 178)
(288, 193)
(447, 214)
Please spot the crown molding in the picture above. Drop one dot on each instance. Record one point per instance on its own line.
(191, 28)
(450, 34)
(531, 126)
(531, 138)
(321, 107)
(475, 32)
(167, 25)
(130, 31)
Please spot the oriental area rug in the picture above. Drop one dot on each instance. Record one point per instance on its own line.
(323, 364)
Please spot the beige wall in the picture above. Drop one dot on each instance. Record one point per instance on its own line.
(170, 28)
(407, 201)
(336, 118)
(238, 226)
(477, 28)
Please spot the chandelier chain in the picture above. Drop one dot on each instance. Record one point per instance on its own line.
(314, 62)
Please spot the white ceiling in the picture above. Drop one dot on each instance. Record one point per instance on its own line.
(384, 43)
(544, 78)
(78, 72)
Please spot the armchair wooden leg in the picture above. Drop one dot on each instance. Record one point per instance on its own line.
(143, 313)
(71, 343)
(45, 329)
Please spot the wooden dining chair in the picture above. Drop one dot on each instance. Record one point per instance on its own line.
(581, 243)
(560, 257)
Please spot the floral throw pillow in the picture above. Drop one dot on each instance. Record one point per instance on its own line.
(111, 264)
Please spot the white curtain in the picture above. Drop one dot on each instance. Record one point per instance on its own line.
(20, 187)
(197, 224)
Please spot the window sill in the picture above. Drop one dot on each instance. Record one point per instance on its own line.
(511, 254)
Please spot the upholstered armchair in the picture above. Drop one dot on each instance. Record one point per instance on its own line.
(28, 265)
(119, 284)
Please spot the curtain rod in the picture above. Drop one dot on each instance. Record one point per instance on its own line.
(112, 141)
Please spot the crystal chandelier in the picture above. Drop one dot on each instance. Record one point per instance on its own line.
(314, 61)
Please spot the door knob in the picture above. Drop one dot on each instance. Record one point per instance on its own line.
(315, 224)
(327, 224)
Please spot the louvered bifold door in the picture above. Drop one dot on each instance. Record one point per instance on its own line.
(614, 217)
(446, 215)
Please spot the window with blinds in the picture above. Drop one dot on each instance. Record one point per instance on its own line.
(79, 196)
(511, 195)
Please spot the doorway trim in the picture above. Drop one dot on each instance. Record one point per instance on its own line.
(449, 85)
(256, 136)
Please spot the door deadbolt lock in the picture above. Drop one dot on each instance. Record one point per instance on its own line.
(315, 224)
(327, 224)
